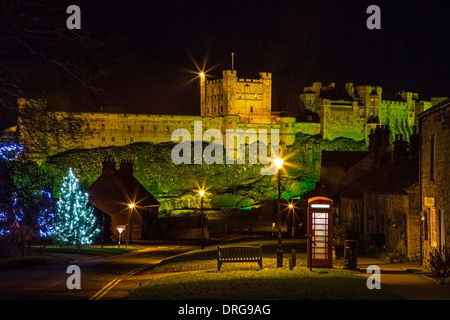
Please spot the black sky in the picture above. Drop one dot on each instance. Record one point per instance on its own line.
(299, 42)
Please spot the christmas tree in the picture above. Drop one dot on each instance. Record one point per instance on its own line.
(75, 222)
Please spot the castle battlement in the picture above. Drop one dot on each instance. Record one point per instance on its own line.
(229, 103)
(351, 111)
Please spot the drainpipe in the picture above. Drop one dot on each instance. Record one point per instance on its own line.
(421, 230)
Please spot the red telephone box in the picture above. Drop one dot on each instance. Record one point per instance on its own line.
(320, 232)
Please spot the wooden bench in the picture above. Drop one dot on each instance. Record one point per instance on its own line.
(239, 254)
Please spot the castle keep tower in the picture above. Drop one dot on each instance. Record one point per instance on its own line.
(250, 99)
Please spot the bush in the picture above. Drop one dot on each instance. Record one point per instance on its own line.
(439, 261)
(393, 255)
(347, 230)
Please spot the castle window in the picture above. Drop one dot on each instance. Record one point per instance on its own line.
(251, 109)
(103, 139)
(129, 128)
(113, 139)
(142, 127)
(221, 108)
(103, 126)
(131, 139)
(256, 96)
(155, 127)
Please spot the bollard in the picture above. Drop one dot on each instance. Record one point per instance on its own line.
(294, 257)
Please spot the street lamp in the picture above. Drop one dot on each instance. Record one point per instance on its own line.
(291, 208)
(201, 193)
(120, 229)
(131, 206)
(279, 164)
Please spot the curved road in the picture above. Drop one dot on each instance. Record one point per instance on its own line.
(101, 277)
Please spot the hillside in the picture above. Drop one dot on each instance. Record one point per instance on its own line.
(229, 185)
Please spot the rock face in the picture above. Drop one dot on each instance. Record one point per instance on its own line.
(228, 185)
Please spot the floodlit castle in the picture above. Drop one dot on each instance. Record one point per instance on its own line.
(239, 103)
(352, 112)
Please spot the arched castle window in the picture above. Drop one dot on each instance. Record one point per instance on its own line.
(221, 108)
(251, 109)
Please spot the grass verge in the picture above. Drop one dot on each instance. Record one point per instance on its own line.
(194, 276)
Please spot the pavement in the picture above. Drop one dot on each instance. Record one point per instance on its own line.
(411, 280)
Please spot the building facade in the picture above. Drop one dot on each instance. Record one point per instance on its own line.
(434, 130)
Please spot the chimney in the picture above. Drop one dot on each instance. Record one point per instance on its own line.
(126, 168)
(379, 138)
(400, 146)
(414, 142)
(109, 167)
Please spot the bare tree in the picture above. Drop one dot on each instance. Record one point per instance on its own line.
(39, 54)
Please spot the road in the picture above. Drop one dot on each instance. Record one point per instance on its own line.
(106, 278)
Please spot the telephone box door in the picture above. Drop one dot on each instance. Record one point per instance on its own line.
(320, 232)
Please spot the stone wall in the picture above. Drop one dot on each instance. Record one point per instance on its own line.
(434, 127)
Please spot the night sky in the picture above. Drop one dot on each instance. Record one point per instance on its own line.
(155, 45)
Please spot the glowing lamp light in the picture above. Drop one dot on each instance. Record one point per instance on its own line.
(201, 192)
(202, 74)
(291, 205)
(278, 162)
(319, 205)
(131, 205)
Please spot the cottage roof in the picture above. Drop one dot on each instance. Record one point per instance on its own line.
(393, 178)
(342, 159)
(396, 177)
(443, 104)
(121, 186)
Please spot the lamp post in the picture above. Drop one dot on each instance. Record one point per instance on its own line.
(120, 229)
(291, 208)
(279, 165)
(131, 206)
(202, 193)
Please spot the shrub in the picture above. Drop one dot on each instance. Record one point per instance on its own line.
(347, 230)
(439, 261)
